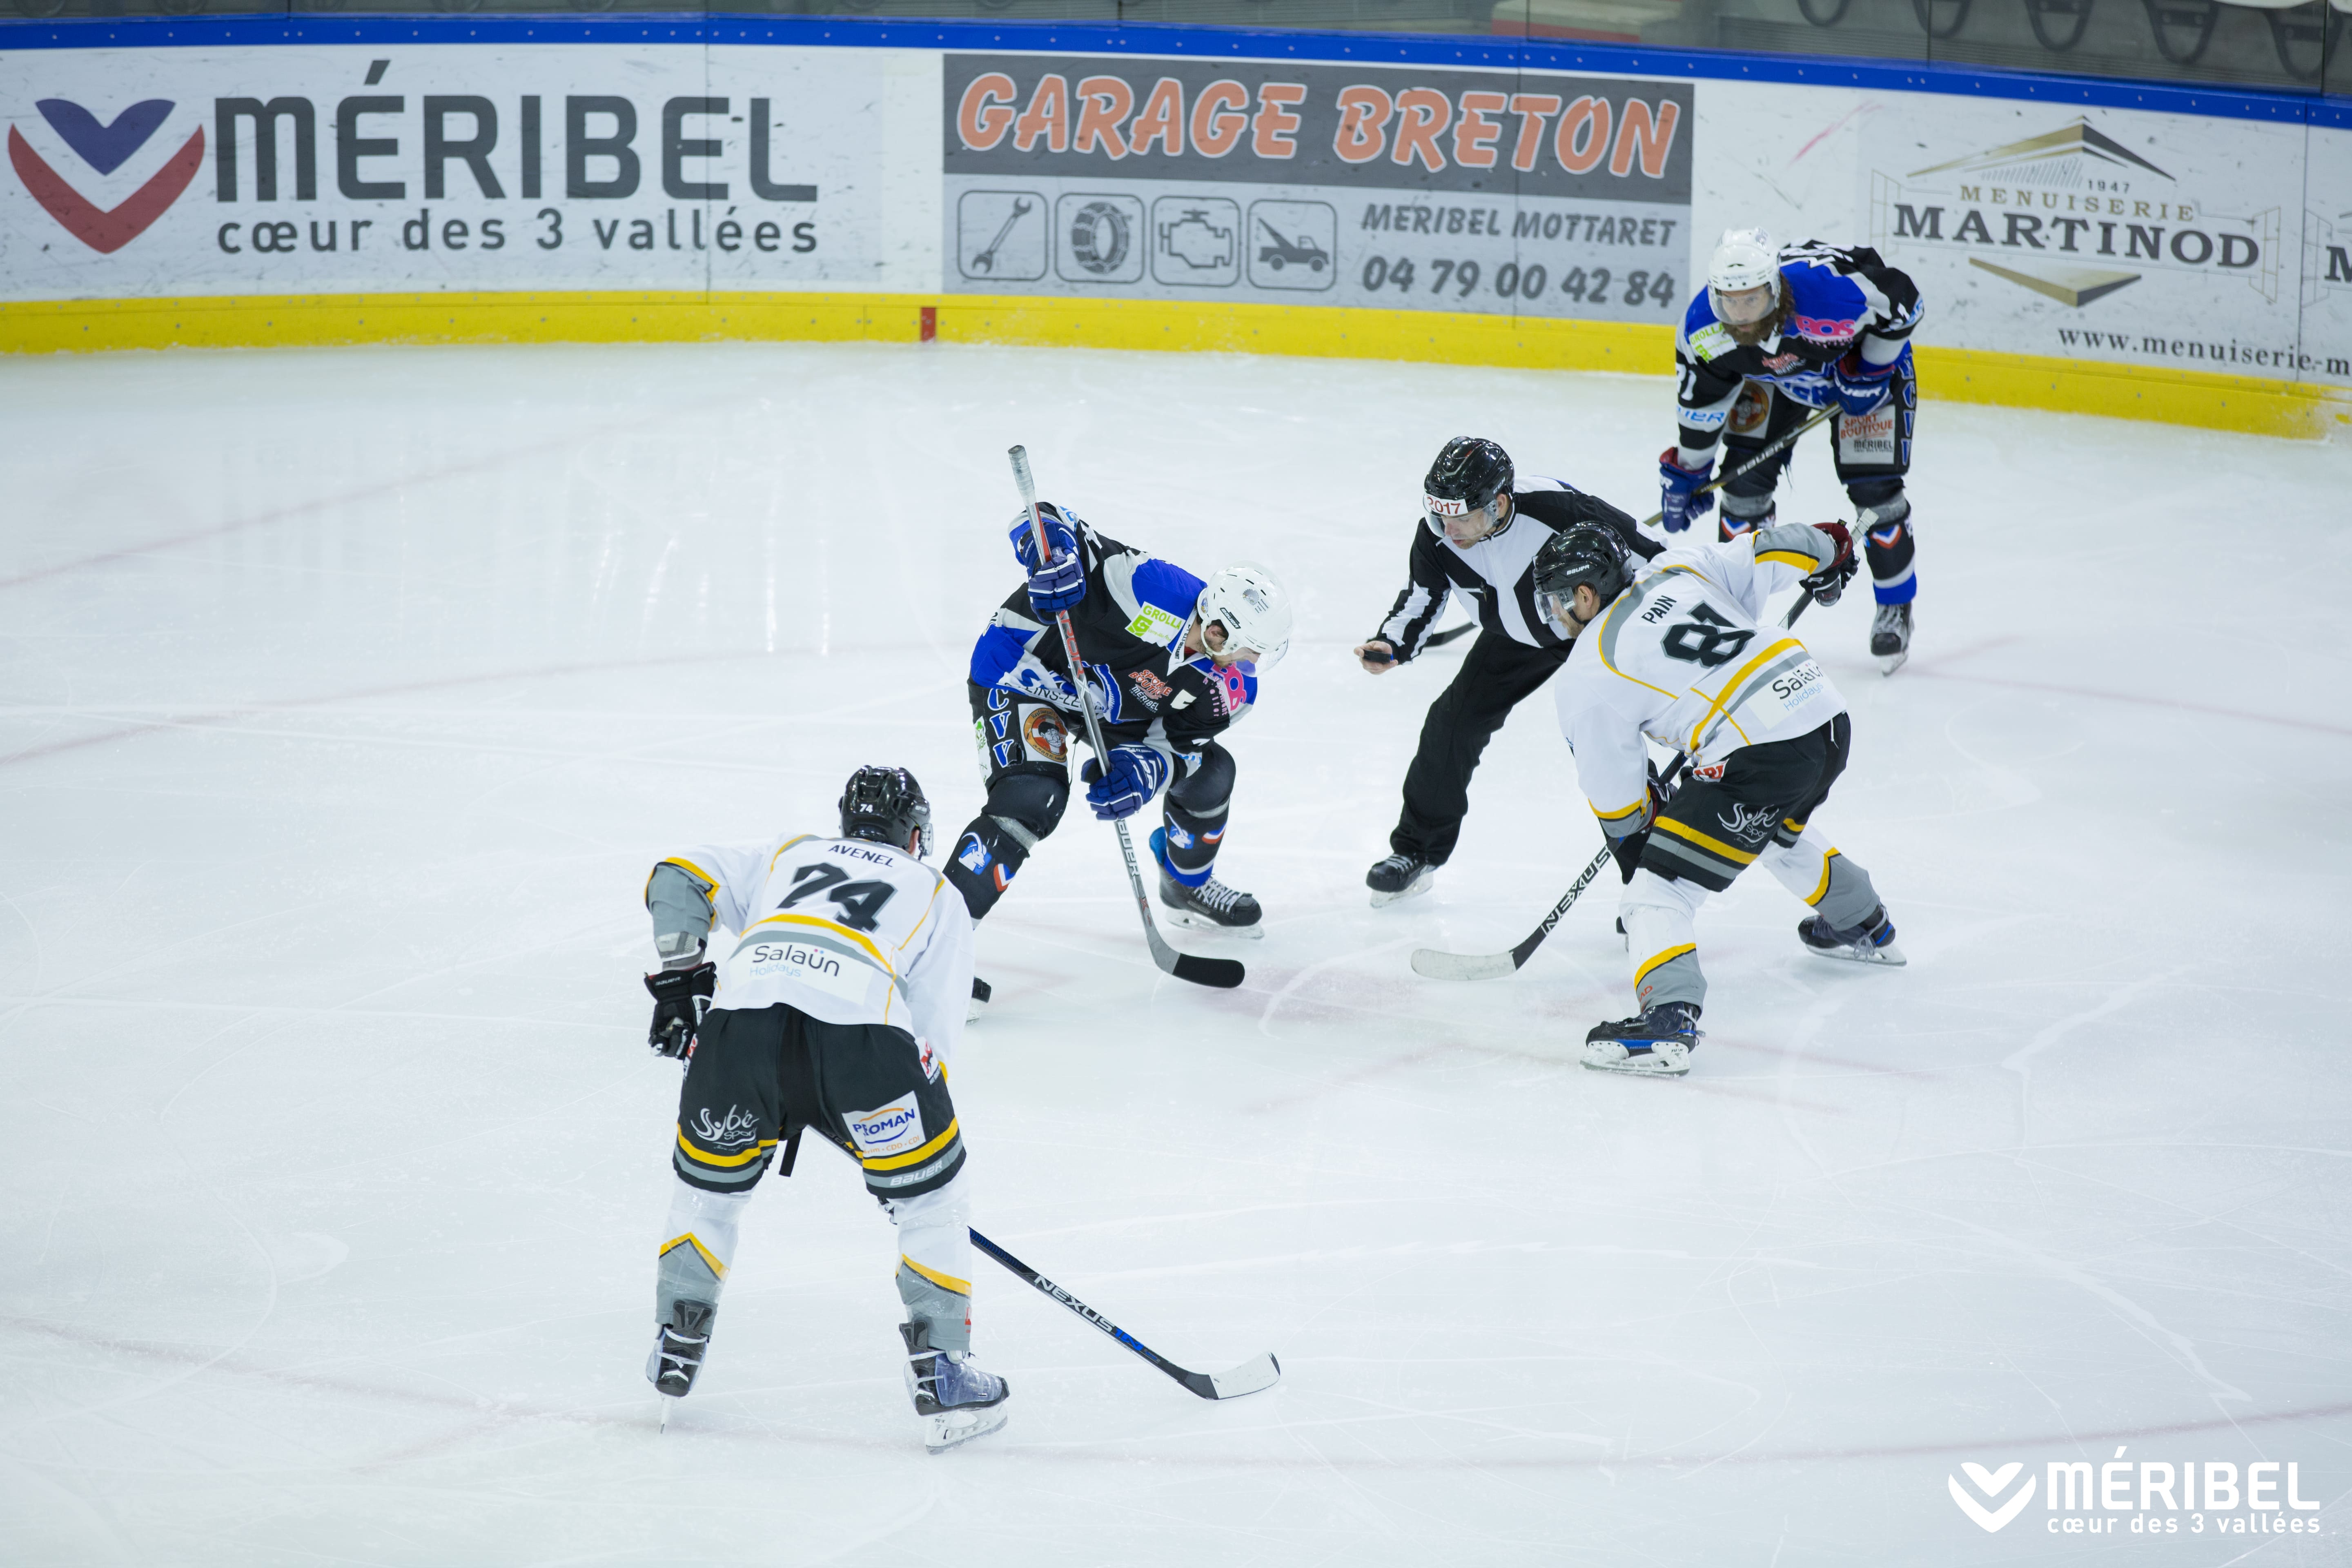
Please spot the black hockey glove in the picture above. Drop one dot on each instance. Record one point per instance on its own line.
(681, 996)
(1628, 851)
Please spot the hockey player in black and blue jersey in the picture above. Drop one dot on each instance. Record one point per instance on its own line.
(1172, 662)
(1777, 334)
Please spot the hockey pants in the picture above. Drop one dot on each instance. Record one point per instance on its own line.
(1757, 812)
(1871, 454)
(1025, 748)
(757, 1076)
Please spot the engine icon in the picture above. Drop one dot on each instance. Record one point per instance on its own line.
(1194, 241)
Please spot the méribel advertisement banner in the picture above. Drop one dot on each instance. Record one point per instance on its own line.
(404, 168)
(1395, 187)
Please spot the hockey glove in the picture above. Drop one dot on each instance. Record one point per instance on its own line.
(1135, 775)
(1827, 585)
(681, 996)
(1678, 497)
(1862, 386)
(1060, 582)
(1628, 851)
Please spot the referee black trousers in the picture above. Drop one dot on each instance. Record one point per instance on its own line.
(1497, 676)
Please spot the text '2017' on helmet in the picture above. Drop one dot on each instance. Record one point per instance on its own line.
(1469, 473)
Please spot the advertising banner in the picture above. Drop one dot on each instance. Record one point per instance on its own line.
(2326, 270)
(2149, 239)
(412, 168)
(1394, 187)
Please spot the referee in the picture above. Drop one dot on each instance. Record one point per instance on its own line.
(1479, 540)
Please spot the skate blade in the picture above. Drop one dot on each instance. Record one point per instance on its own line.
(1888, 663)
(668, 1403)
(1669, 1060)
(972, 1010)
(1419, 885)
(1192, 921)
(1890, 956)
(952, 1428)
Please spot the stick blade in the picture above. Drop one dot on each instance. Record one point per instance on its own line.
(1435, 965)
(1219, 973)
(1250, 1377)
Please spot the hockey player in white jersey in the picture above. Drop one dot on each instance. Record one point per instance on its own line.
(832, 1005)
(1679, 656)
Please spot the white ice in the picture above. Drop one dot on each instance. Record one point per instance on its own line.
(349, 697)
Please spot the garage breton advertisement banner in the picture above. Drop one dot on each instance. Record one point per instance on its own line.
(296, 170)
(1497, 192)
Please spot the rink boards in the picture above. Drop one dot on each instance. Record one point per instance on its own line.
(2114, 249)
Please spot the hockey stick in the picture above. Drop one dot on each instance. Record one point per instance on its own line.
(1250, 1377)
(1436, 965)
(1714, 485)
(1223, 974)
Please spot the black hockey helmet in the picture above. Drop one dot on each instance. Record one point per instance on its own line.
(1469, 473)
(1584, 553)
(886, 805)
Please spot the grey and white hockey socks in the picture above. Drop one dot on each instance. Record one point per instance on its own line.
(1814, 870)
(935, 1265)
(1662, 939)
(697, 1249)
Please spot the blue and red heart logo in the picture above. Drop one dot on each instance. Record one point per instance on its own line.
(105, 147)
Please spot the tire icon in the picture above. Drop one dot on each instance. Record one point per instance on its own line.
(1099, 237)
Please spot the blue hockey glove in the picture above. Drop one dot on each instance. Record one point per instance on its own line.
(1862, 388)
(1135, 776)
(1678, 497)
(1060, 583)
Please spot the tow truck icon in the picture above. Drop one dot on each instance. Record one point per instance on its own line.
(1282, 251)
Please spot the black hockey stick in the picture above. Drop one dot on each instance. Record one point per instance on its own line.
(1223, 974)
(1440, 641)
(1714, 485)
(1250, 1377)
(1436, 965)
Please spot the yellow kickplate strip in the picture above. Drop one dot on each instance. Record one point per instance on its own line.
(1958, 375)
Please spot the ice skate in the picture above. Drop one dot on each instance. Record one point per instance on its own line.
(1657, 1044)
(1399, 877)
(677, 1352)
(1890, 636)
(981, 993)
(1871, 941)
(957, 1400)
(1211, 906)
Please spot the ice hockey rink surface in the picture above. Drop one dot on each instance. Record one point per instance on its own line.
(350, 696)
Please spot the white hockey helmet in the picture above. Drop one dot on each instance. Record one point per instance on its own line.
(1745, 259)
(1253, 608)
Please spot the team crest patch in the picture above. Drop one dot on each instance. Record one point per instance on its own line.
(1745, 821)
(1045, 734)
(891, 1129)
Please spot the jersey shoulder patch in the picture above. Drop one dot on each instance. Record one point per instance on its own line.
(1712, 341)
(1164, 596)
